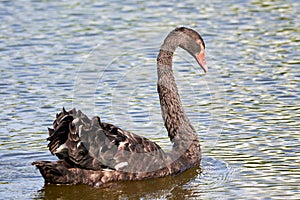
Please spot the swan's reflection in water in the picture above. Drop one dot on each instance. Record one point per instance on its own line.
(190, 184)
(159, 188)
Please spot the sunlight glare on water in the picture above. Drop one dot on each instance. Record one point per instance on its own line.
(101, 58)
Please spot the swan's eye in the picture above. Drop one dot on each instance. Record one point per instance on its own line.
(201, 44)
(81, 153)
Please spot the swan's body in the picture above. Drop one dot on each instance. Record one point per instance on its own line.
(92, 152)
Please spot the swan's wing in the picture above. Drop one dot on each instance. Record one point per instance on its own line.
(128, 141)
(90, 144)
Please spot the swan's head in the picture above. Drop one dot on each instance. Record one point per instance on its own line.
(193, 43)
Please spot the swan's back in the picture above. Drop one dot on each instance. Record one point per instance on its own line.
(90, 144)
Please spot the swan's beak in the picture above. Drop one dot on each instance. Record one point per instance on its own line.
(200, 57)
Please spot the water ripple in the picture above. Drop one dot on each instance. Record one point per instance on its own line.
(245, 109)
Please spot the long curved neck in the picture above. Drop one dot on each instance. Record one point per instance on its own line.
(176, 121)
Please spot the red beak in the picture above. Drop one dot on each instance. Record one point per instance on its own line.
(201, 61)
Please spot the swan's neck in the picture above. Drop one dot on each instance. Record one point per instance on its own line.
(176, 121)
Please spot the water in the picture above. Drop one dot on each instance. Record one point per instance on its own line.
(100, 57)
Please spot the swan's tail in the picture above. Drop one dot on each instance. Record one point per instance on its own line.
(55, 172)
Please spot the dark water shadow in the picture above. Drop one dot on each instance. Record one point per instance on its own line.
(161, 188)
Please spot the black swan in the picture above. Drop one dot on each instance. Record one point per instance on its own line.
(94, 153)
